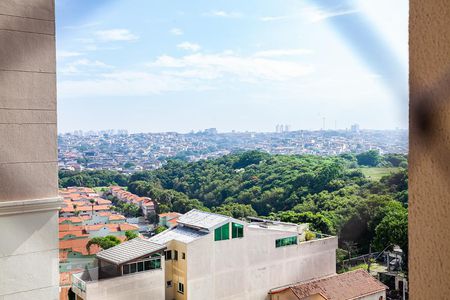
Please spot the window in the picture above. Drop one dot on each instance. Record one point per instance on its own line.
(292, 240)
(237, 230)
(126, 269)
(222, 233)
(175, 255)
(169, 283)
(140, 266)
(146, 265)
(168, 254)
(183, 255)
(132, 268)
(180, 288)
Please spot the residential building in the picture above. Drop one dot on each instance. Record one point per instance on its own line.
(84, 216)
(211, 256)
(346, 286)
(169, 219)
(131, 270)
(146, 204)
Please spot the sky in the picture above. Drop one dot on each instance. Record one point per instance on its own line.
(177, 65)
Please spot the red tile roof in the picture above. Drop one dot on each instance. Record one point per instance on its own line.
(170, 215)
(345, 286)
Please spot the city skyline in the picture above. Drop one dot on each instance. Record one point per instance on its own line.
(179, 67)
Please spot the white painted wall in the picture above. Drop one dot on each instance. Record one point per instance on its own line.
(247, 268)
(139, 286)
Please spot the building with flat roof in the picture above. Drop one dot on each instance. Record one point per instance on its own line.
(131, 270)
(211, 256)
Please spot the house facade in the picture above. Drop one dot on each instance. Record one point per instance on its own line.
(211, 256)
(131, 270)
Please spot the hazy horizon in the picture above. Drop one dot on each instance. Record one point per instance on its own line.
(232, 65)
(232, 131)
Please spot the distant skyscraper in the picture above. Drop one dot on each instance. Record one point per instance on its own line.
(354, 128)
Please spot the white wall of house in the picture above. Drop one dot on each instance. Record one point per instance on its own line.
(375, 296)
(143, 285)
(248, 267)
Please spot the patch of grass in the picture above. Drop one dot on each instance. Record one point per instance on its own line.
(377, 173)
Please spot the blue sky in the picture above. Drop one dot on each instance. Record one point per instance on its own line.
(177, 65)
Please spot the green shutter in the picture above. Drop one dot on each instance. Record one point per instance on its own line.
(226, 231)
(292, 240)
(217, 234)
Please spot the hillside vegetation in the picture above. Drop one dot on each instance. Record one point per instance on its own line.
(331, 193)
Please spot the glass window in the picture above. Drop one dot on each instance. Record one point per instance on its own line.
(183, 256)
(157, 263)
(126, 269)
(292, 240)
(140, 266)
(147, 265)
(180, 288)
(237, 230)
(222, 233)
(169, 283)
(175, 255)
(132, 268)
(168, 254)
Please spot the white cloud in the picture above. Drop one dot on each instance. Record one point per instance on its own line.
(87, 65)
(224, 14)
(194, 72)
(112, 35)
(65, 54)
(249, 68)
(176, 31)
(125, 83)
(189, 46)
(283, 52)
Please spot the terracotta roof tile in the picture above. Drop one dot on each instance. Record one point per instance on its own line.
(349, 285)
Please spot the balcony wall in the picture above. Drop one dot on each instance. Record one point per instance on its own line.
(28, 151)
(142, 285)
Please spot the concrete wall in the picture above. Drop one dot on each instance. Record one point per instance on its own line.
(429, 172)
(138, 286)
(247, 268)
(28, 151)
(176, 271)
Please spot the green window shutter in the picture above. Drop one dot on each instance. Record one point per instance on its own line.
(218, 234)
(226, 231)
(292, 240)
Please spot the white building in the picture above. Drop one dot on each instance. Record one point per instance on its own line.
(131, 270)
(211, 256)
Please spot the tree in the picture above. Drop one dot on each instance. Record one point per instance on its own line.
(236, 210)
(103, 242)
(160, 229)
(131, 235)
(370, 158)
(250, 158)
(92, 205)
(393, 230)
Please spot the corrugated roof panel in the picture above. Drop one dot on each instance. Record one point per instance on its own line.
(201, 219)
(130, 250)
(181, 234)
